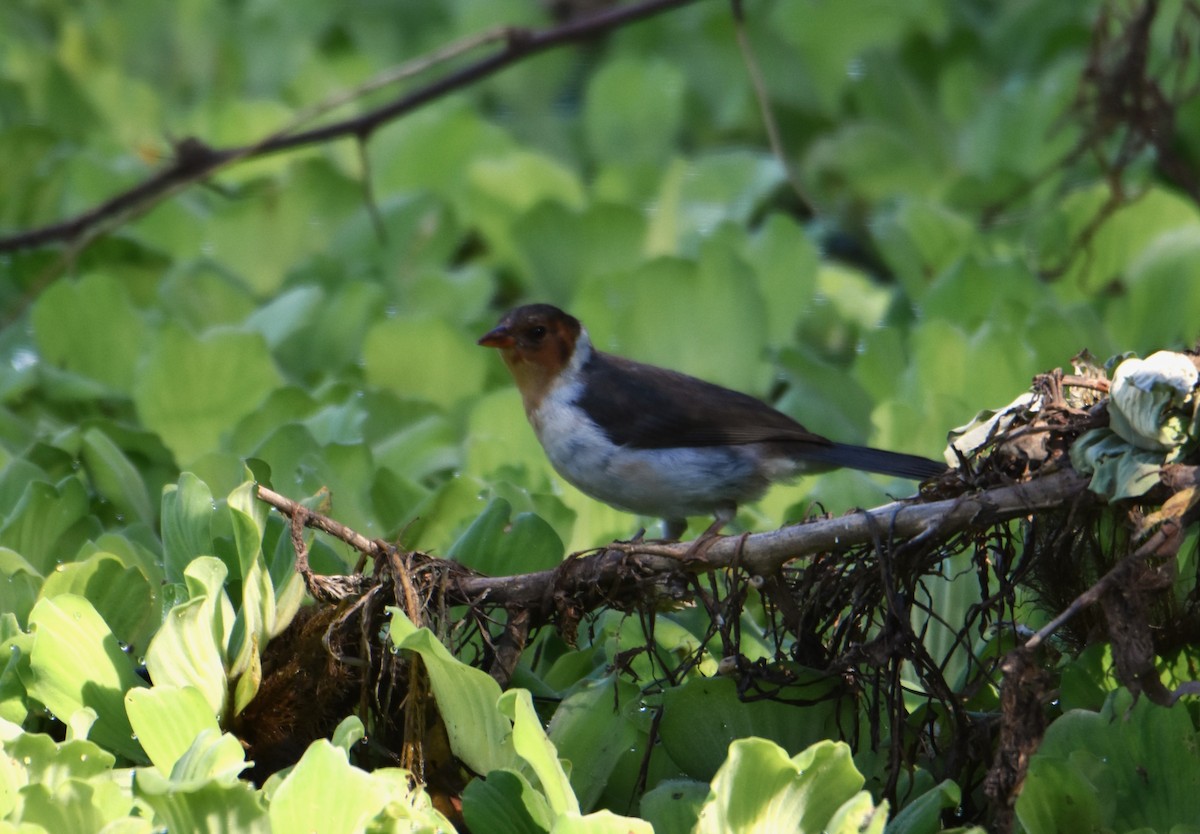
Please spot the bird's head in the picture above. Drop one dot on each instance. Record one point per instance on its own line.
(537, 343)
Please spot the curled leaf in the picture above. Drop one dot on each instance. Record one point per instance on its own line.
(1152, 401)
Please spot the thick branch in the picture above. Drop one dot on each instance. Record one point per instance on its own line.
(195, 160)
(592, 577)
(625, 573)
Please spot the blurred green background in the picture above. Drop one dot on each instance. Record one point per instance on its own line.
(974, 211)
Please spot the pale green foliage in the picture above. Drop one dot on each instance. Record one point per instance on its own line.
(1131, 766)
(272, 316)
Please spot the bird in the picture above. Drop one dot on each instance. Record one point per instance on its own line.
(656, 442)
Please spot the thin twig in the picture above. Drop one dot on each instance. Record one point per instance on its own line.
(774, 136)
(290, 508)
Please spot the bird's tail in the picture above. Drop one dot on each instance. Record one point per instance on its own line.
(876, 460)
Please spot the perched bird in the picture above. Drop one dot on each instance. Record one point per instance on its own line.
(656, 442)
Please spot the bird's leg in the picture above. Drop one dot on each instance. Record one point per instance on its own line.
(673, 528)
(722, 515)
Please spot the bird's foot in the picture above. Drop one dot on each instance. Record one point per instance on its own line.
(705, 540)
(638, 537)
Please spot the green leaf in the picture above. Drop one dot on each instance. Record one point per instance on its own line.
(255, 620)
(858, 815)
(324, 786)
(532, 744)
(14, 700)
(1088, 679)
(283, 405)
(76, 662)
(624, 314)
(479, 733)
(20, 590)
(505, 803)
(116, 478)
(1156, 229)
(714, 703)
(502, 187)
(203, 793)
(1126, 767)
(873, 156)
(286, 314)
(205, 577)
(591, 729)
(193, 390)
(122, 596)
(820, 397)
(187, 509)
(54, 763)
(495, 547)
(434, 148)
(336, 338)
(199, 295)
(760, 789)
(344, 470)
(563, 247)
(421, 448)
(248, 517)
(785, 260)
(167, 720)
(1118, 469)
(349, 733)
(498, 435)
(600, 822)
(190, 647)
(40, 526)
(975, 290)
(923, 815)
(212, 756)
(1164, 284)
(633, 109)
(249, 679)
(91, 328)
(73, 807)
(507, 183)
(673, 806)
(827, 44)
(921, 239)
(288, 600)
(238, 231)
(1063, 801)
(424, 358)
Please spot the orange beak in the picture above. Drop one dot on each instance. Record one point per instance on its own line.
(497, 337)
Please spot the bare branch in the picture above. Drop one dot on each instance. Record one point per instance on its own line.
(195, 160)
(763, 553)
(368, 547)
(625, 573)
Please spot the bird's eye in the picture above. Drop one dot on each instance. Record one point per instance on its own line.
(537, 333)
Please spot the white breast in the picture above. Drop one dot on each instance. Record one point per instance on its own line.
(666, 483)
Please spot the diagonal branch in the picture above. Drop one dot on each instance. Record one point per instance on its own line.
(195, 160)
(592, 577)
(626, 573)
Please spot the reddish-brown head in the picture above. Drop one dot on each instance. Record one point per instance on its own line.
(536, 342)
